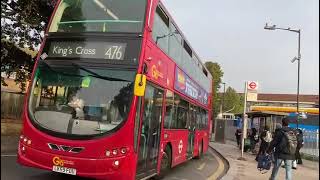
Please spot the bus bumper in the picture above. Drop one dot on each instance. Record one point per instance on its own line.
(85, 167)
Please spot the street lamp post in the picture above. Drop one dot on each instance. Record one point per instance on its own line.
(273, 27)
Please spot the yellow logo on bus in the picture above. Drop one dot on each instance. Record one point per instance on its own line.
(57, 161)
(156, 73)
(61, 162)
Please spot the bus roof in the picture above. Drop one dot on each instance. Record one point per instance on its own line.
(184, 38)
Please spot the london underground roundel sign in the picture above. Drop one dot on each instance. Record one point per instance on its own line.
(252, 85)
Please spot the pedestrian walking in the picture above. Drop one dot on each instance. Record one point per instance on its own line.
(285, 144)
(238, 134)
(266, 138)
(298, 159)
(278, 127)
(254, 139)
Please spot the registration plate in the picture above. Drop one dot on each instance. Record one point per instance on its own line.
(64, 170)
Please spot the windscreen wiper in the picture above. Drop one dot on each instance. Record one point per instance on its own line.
(58, 72)
(93, 74)
(96, 75)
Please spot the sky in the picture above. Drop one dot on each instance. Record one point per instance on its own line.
(231, 32)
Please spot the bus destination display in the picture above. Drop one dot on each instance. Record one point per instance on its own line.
(96, 50)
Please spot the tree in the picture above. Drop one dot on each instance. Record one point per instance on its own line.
(22, 25)
(217, 74)
(23, 21)
(232, 101)
(13, 60)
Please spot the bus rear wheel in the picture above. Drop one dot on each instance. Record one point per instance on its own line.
(165, 162)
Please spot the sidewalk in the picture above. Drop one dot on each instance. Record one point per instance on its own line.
(9, 144)
(10, 132)
(247, 170)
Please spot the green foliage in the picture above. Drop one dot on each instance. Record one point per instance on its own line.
(22, 23)
(217, 73)
(13, 60)
(232, 101)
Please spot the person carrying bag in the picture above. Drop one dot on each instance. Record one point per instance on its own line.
(285, 145)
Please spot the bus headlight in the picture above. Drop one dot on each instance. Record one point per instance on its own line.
(108, 153)
(115, 152)
(116, 163)
(25, 140)
(123, 150)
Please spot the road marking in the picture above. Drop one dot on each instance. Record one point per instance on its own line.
(178, 178)
(8, 155)
(219, 171)
(201, 166)
(210, 158)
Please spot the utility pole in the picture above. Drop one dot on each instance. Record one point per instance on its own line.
(244, 120)
(299, 58)
(274, 27)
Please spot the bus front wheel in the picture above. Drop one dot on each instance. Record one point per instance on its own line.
(200, 150)
(165, 162)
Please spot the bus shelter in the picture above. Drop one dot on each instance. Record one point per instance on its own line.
(260, 119)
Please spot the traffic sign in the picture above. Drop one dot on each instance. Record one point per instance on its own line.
(252, 85)
(252, 96)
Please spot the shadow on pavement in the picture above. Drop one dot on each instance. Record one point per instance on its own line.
(55, 176)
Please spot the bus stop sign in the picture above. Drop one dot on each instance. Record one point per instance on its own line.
(252, 86)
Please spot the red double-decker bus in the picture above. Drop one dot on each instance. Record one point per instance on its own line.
(116, 93)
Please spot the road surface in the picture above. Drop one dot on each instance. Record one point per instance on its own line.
(200, 169)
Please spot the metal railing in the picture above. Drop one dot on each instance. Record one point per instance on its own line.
(311, 143)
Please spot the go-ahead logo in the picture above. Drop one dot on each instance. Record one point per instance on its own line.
(156, 73)
(60, 162)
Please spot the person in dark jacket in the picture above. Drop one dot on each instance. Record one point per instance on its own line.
(265, 138)
(254, 139)
(278, 127)
(238, 134)
(299, 146)
(280, 144)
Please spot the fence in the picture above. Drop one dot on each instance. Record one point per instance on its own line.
(220, 130)
(310, 138)
(311, 143)
(11, 105)
(230, 130)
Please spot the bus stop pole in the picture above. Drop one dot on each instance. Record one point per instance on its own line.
(244, 119)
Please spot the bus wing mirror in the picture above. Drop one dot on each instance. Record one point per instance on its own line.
(140, 84)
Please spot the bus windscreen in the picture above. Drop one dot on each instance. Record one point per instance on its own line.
(76, 100)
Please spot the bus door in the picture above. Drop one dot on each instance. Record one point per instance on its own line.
(191, 129)
(150, 132)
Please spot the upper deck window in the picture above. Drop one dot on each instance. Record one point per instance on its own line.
(187, 48)
(99, 16)
(161, 31)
